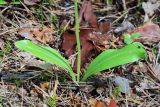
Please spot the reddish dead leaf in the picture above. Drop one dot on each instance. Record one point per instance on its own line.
(96, 103)
(149, 32)
(100, 41)
(91, 36)
(104, 27)
(69, 44)
(86, 14)
(43, 36)
(112, 103)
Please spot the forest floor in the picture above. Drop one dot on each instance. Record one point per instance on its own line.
(27, 81)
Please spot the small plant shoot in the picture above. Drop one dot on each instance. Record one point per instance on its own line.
(107, 59)
(128, 39)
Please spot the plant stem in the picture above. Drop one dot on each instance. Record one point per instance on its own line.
(77, 40)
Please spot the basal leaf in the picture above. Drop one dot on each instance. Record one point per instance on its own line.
(112, 58)
(47, 54)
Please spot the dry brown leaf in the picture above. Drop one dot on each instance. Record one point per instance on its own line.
(69, 44)
(43, 36)
(31, 2)
(91, 36)
(96, 103)
(86, 14)
(112, 103)
(149, 32)
(149, 8)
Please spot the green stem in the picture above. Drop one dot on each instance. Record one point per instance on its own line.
(77, 39)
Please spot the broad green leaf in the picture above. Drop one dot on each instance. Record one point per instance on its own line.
(47, 54)
(112, 58)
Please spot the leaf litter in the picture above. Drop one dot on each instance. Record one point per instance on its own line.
(95, 36)
(92, 34)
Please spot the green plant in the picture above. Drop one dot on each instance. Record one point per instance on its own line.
(1, 105)
(77, 40)
(52, 101)
(109, 2)
(128, 39)
(107, 59)
(2, 2)
(115, 57)
(46, 53)
(116, 92)
(8, 46)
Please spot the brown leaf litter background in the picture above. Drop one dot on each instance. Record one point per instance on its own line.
(92, 34)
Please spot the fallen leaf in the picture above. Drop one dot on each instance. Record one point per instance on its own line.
(43, 36)
(123, 84)
(125, 26)
(104, 27)
(39, 64)
(100, 41)
(86, 14)
(112, 103)
(70, 47)
(149, 9)
(149, 32)
(91, 33)
(146, 85)
(96, 103)
(31, 2)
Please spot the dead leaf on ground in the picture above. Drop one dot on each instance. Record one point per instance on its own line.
(149, 8)
(86, 14)
(39, 64)
(112, 103)
(146, 85)
(123, 84)
(91, 33)
(96, 103)
(31, 2)
(149, 32)
(42, 35)
(125, 26)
